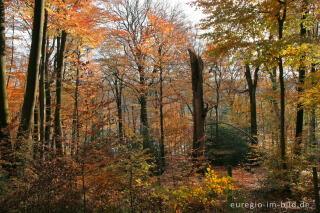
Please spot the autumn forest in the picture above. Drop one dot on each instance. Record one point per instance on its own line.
(130, 106)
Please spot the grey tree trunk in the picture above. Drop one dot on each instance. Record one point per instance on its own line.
(199, 112)
(42, 97)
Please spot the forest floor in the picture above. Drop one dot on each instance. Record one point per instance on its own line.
(250, 188)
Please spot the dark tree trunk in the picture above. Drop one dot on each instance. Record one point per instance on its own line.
(217, 80)
(47, 84)
(302, 73)
(144, 131)
(316, 189)
(217, 123)
(35, 134)
(252, 88)
(281, 20)
(118, 90)
(313, 122)
(199, 112)
(133, 119)
(144, 126)
(162, 150)
(32, 76)
(5, 144)
(57, 113)
(75, 121)
(42, 97)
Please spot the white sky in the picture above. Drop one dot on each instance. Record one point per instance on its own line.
(191, 13)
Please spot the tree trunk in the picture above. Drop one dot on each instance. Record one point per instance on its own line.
(35, 134)
(273, 76)
(217, 123)
(199, 112)
(162, 151)
(47, 84)
(32, 76)
(42, 97)
(5, 144)
(282, 88)
(144, 131)
(313, 122)
(252, 86)
(118, 90)
(57, 113)
(302, 73)
(316, 189)
(75, 121)
(144, 126)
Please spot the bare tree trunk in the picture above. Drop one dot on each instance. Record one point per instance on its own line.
(32, 76)
(313, 122)
(144, 126)
(47, 84)
(281, 20)
(35, 134)
(162, 150)
(118, 90)
(133, 119)
(302, 73)
(316, 189)
(252, 85)
(5, 144)
(199, 112)
(42, 97)
(57, 113)
(75, 121)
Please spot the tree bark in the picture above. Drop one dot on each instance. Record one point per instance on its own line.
(281, 20)
(313, 122)
(144, 131)
(35, 134)
(57, 113)
(302, 73)
(32, 76)
(316, 189)
(144, 126)
(162, 150)
(75, 121)
(199, 112)
(47, 84)
(42, 97)
(252, 87)
(5, 143)
(118, 90)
